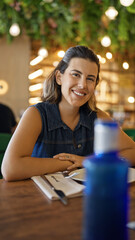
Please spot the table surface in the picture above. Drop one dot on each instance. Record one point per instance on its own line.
(26, 213)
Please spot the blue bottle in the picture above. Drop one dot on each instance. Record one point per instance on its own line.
(106, 194)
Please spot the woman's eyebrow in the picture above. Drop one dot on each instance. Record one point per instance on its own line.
(90, 75)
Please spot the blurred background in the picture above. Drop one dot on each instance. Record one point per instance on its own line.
(35, 34)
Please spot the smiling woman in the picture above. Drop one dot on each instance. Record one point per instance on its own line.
(63, 124)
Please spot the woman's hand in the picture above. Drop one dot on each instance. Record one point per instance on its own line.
(75, 159)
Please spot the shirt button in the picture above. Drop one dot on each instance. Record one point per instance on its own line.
(79, 145)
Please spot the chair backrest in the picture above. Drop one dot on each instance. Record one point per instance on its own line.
(4, 140)
(130, 132)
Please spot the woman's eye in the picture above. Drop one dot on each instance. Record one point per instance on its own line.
(75, 74)
(91, 79)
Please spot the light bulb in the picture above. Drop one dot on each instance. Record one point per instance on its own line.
(109, 55)
(125, 65)
(14, 30)
(111, 13)
(61, 54)
(126, 3)
(131, 99)
(106, 41)
(43, 52)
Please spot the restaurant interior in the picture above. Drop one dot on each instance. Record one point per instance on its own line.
(35, 34)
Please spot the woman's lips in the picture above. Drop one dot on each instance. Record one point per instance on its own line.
(79, 93)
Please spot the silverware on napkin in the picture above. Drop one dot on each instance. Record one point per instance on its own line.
(59, 193)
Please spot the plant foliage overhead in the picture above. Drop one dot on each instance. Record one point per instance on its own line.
(62, 23)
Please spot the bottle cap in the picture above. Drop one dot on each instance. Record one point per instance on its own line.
(105, 136)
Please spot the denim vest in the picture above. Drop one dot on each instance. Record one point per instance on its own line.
(56, 137)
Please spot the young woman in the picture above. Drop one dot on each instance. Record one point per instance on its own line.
(58, 133)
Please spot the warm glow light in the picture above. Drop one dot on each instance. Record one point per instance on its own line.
(36, 60)
(35, 74)
(106, 41)
(111, 13)
(109, 55)
(14, 30)
(126, 3)
(61, 54)
(99, 57)
(131, 99)
(34, 100)
(55, 63)
(43, 52)
(103, 60)
(125, 65)
(35, 87)
(3, 87)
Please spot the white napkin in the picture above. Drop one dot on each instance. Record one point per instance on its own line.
(67, 185)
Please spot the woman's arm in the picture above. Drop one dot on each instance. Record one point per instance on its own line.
(17, 162)
(126, 144)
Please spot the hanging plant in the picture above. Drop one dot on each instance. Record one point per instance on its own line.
(63, 23)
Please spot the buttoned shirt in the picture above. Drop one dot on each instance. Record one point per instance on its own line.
(56, 137)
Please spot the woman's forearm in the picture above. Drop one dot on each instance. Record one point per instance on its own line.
(26, 167)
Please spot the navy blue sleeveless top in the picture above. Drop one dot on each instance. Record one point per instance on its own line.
(56, 137)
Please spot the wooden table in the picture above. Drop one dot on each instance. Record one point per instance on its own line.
(26, 213)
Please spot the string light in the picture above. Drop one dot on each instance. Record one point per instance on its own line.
(43, 52)
(61, 54)
(111, 13)
(125, 65)
(109, 55)
(126, 3)
(106, 41)
(14, 30)
(131, 99)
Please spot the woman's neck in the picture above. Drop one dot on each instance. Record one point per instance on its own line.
(70, 115)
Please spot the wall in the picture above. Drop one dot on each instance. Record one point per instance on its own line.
(14, 69)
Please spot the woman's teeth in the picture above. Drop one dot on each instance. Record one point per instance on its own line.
(79, 94)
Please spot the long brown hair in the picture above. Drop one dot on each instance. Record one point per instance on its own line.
(52, 91)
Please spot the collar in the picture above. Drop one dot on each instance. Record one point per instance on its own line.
(54, 119)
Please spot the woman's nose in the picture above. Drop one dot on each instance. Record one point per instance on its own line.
(82, 83)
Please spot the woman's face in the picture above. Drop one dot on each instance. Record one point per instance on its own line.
(78, 81)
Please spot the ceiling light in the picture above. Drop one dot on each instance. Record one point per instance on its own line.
(55, 63)
(126, 3)
(131, 99)
(61, 54)
(111, 13)
(35, 74)
(125, 65)
(109, 55)
(35, 87)
(43, 52)
(14, 30)
(36, 60)
(106, 41)
(34, 100)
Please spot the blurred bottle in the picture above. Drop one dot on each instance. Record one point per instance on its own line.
(106, 193)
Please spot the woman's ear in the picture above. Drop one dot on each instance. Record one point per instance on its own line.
(58, 77)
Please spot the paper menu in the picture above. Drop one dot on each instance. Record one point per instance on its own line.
(67, 185)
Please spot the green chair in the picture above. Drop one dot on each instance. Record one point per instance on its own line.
(130, 132)
(4, 140)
